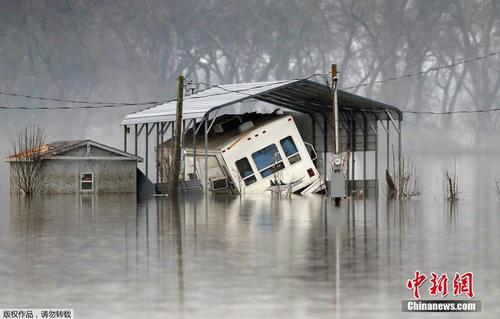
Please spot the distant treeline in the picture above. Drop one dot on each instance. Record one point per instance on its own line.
(134, 50)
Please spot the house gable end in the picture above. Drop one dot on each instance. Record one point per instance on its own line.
(85, 149)
(90, 150)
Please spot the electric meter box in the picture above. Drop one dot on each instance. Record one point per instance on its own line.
(337, 183)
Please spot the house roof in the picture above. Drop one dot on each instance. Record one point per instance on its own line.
(55, 149)
(299, 95)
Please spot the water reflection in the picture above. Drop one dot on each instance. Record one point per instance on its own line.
(237, 257)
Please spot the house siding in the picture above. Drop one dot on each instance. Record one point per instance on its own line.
(113, 171)
(63, 176)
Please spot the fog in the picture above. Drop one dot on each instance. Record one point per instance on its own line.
(132, 51)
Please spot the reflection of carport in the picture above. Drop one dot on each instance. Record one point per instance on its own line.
(359, 120)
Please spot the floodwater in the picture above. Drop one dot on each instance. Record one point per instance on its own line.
(218, 257)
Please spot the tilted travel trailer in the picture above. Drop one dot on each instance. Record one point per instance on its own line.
(253, 154)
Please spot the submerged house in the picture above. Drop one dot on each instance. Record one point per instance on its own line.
(81, 166)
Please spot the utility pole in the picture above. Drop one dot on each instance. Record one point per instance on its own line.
(177, 141)
(335, 110)
(338, 182)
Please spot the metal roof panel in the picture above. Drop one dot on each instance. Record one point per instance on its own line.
(298, 95)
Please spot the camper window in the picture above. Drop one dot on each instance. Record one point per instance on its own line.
(290, 150)
(268, 160)
(246, 171)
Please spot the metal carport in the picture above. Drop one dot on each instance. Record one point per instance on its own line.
(359, 117)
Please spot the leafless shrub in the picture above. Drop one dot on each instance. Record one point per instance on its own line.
(279, 187)
(408, 183)
(277, 184)
(240, 183)
(405, 186)
(289, 187)
(27, 160)
(452, 185)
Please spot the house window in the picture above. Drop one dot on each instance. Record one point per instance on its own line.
(246, 171)
(291, 151)
(268, 160)
(87, 182)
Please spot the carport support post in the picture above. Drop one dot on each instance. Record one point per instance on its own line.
(135, 139)
(353, 125)
(364, 155)
(206, 152)
(162, 154)
(388, 145)
(325, 124)
(146, 157)
(157, 162)
(349, 154)
(125, 138)
(399, 155)
(194, 150)
(376, 160)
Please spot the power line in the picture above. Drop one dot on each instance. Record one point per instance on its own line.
(451, 112)
(407, 112)
(117, 105)
(433, 69)
(64, 107)
(101, 105)
(43, 98)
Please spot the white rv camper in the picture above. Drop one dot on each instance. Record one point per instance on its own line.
(254, 156)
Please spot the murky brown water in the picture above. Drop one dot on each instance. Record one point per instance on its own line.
(219, 257)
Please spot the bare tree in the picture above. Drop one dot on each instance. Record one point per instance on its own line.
(27, 160)
(165, 166)
(497, 183)
(143, 47)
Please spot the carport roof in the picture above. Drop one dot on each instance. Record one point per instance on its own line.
(301, 95)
